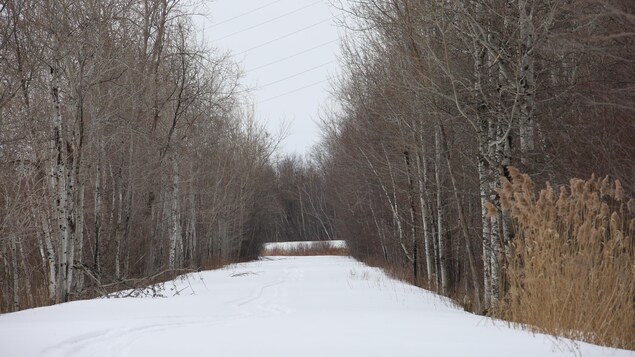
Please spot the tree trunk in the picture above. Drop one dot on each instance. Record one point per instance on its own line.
(51, 260)
(79, 234)
(413, 216)
(15, 273)
(5, 285)
(98, 206)
(486, 226)
(126, 236)
(438, 174)
(304, 235)
(422, 169)
(380, 232)
(27, 281)
(527, 85)
(175, 223)
(395, 208)
(77, 190)
(71, 211)
(129, 200)
(119, 207)
(61, 186)
(191, 231)
(464, 228)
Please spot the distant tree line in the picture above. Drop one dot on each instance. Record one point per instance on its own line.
(303, 210)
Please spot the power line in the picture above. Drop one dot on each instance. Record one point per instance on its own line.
(297, 74)
(293, 91)
(290, 56)
(245, 13)
(270, 20)
(283, 37)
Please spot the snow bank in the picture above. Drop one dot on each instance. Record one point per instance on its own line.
(278, 306)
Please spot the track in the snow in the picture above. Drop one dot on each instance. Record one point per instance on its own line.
(278, 306)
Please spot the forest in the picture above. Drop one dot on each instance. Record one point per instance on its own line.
(126, 152)
(479, 149)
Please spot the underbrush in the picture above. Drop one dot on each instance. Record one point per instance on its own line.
(102, 284)
(152, 285)
(570, 270)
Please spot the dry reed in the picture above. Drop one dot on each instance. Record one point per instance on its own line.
(571, 271)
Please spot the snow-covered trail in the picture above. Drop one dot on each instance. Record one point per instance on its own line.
(278, 306)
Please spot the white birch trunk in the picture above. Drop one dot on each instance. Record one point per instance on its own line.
(118, 225)
(5, 286)
(302, 213)
(438, 166)
(485, 221)
(413, 217)
(71, 225)
(422, 169)
(40, 246)
(175, 224)
(15, 272)
(495, 154)
(395, 209)
(126, 236)
(79, 234)
(60, 181)
(527, 80)
(495, 250)
(98, 203)
(130, 199)
(51, 260)
(241, 220)
(192, 232)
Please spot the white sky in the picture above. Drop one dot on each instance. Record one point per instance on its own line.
(261, 34)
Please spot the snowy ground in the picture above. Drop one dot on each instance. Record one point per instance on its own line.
(279, 306)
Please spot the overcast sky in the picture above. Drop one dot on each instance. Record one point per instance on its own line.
(288, 49)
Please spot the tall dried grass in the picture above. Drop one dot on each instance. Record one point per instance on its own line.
(571, 268)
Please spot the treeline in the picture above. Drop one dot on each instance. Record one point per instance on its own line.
(439, 101)
(125, 151)
(303, 210)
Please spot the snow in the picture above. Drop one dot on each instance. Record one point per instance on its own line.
(277, 306)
